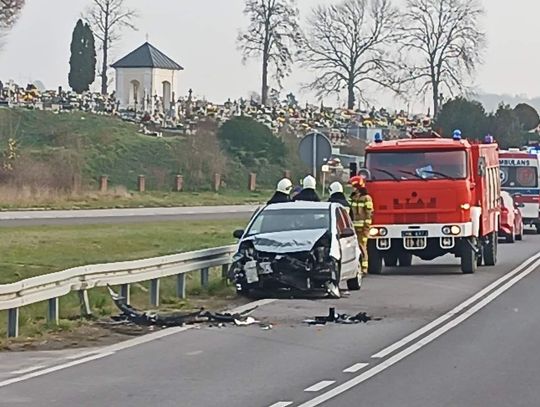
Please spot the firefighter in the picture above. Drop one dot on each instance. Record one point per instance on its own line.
(361, 214)
(282, 193)
(308, 192)
(337, 195)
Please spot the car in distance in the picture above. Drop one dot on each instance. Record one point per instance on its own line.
(298, 248)
(511, 222)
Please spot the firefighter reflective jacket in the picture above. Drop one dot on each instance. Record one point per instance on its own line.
(361, 210)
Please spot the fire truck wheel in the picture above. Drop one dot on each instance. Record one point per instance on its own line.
(405, 259)
(490, 249)
(375, 263)
(468, 258)
(390, 260)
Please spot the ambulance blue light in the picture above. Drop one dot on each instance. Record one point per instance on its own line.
(456, 135)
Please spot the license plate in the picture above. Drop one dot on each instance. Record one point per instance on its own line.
(414, 233)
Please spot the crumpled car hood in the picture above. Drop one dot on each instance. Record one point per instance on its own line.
(292, 241)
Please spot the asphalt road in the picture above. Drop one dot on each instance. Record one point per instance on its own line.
(445, 339)
(135, 215)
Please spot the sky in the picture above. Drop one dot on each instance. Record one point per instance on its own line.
(201, 36)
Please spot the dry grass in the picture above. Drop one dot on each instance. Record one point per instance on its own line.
(27, 197)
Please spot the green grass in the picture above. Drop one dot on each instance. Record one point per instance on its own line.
(10, 199)
(99, 145)
(32, 251)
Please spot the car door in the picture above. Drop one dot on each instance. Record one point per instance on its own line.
(349, 245)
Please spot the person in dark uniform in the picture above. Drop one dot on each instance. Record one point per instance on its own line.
(283, 191)
(337, 195)
(308, 192)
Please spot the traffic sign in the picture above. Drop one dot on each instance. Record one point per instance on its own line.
(314, 150)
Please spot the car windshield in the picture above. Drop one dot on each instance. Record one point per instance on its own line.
(519, 177)
(280, 220)
(414, 165)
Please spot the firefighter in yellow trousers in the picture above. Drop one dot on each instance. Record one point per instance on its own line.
(361, 215)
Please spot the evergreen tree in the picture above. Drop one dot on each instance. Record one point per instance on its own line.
(83, 58)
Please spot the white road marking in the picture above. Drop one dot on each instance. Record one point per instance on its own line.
(355, 368)
(53, 369)
(248, 306)
(319, 386)
(399, 344)
(28, 369)
(85, 357)
(81, 355)
(282, 404)
(418, 345)
(194, 353)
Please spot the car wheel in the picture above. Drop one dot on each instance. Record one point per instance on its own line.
(538, 228)
(520, 235)
(354, 284)
(468, 258)
(510, 237)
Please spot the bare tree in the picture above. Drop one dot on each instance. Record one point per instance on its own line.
(9, 12)
(107, 18)
(273, 33)
(444, 37)
(347, 44)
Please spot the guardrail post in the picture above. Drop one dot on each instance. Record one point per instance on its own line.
(86, 311)
(205, 274)
(141, 183)
(224, 271)
(154, 292)
(13, 323)
(181, 286)
(53, 314)
(125, 292)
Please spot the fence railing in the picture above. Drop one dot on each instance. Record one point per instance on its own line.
(50, 287)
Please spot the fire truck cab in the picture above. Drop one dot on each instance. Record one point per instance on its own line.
(433, 196)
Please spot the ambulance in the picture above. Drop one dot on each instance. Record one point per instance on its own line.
(519, 171)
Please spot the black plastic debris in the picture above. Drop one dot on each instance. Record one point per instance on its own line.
(333, 316)
(130, 314)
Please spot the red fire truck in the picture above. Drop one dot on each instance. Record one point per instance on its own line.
(433, 196)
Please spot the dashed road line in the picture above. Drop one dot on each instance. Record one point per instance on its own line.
(319, 386)
(282, 404)
(355, 368)
(355, 381)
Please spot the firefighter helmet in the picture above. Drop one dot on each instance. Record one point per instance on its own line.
(285, 186)
(335, 187)
(357, 181)
(309, 182)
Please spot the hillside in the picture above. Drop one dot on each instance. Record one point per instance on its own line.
(53, 150)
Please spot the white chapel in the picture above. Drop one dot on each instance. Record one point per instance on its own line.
(146, 79)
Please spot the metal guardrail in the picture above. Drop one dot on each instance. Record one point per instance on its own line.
(50, 287)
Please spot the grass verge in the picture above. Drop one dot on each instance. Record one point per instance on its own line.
(26, 198)
(32, 251)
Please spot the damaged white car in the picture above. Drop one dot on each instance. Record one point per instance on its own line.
(297, 247)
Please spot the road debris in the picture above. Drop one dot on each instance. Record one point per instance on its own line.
(346, 319)
(132, 315)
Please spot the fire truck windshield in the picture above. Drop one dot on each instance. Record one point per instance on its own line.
(414, 165)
